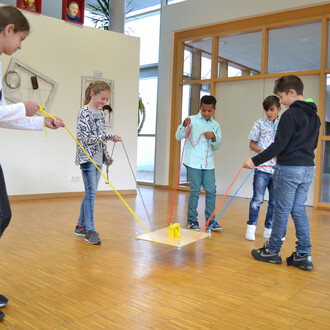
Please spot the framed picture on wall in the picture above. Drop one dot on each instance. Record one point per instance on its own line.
(73, 11)
(30, 5)
(108, 108)
(22, 82)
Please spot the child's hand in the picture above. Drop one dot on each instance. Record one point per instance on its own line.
(249, 164)
(186, 121)
(54, 124)
(209, 135)
(117, 138)
(110, 161)
(31, 108)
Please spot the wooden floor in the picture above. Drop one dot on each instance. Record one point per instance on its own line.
(55, 280)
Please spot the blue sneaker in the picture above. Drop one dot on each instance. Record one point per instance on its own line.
(3, 300)
(194, 225)
(2, 315)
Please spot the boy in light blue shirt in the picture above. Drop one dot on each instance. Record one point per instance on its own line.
(203, 138)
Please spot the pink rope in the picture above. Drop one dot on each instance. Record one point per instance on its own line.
(177, 181)
(193, 144)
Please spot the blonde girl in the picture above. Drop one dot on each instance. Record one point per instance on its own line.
(91, 134)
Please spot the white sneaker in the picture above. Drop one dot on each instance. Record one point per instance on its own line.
(250, 232)
(267, 232)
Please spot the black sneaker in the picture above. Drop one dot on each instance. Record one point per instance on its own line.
(3, 300)
(216, 227)
(194, 225)
(263, 254)
(2, 315)
(304, 263)
(80, 231)
(92, 237)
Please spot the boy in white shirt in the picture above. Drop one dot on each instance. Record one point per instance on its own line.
(261, 136)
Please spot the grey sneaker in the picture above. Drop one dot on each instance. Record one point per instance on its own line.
(80, 231)
(304, 263)
(92, 237)
(194, 225)
(216, 227)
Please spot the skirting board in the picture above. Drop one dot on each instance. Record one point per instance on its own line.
(69, 194)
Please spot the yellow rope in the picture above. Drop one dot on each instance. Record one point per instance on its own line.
(42, 110)
(43, 120)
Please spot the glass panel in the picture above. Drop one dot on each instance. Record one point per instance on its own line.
(197, 59)
(327, 109)
(239, 55)
(145, 159)
(149, 38)
(172, 2)
(148, 94)
(295, 48)
(328, 45)
(325, 190)
(191, 95)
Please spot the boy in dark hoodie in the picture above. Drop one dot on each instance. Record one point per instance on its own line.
(295, 141)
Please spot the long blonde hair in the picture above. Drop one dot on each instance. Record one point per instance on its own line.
(95, 87)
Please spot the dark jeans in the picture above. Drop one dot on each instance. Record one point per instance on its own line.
(261, 182)
(5, 211)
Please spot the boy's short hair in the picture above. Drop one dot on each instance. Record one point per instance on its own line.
(208, 99)
(270, 101)
(285, 83)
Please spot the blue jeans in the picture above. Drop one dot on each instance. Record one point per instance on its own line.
(201, 178)
(261, 181)
(291, 184)
(91, 177)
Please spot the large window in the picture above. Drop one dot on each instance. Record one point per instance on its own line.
(149, 38)
(197, 59)
(295, 48)
(147, 135)
(139, 26)
(239, 55)
(256, 50)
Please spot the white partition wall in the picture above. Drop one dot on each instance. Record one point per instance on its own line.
(36, 164)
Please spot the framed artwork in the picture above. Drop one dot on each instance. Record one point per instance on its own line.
(73, 11)
(108, 108)
(30, 5)
(23, 83)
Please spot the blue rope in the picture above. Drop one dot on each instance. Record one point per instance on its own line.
(224, 209)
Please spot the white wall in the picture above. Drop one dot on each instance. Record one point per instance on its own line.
(35, 164)
(191, 14)
(239, 106)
